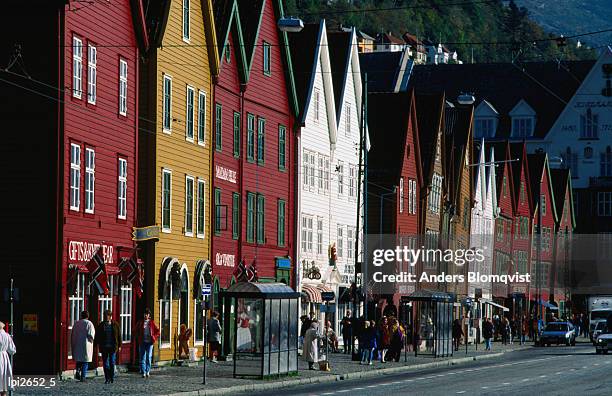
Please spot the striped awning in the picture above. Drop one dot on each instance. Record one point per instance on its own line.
(324, 288)
(313, 295)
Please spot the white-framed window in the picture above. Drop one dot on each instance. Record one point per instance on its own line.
(75, 176)
(267, 59)
(401, 195)
(522, 127)
(198, 323)
(201, 118)
(92, 61)
(605, 163)
(340, 170)
(76, 305)
(201, 209)
(122, 189)
(90, 178)
(326, 174)
(166, 200)
(167, 105)
(413, 207)
(77, 67)
(189, 182)
(125, 316)
(307, 233)
(123, 86)
(435, 193)
(319, 235)
(484, 127)
(186, 20)
(589, 125)
(352, 182)
(543, 203)
(106, 301)
(189, 113)
(340, 241)
(320, 180)
(347, 119)
(317, 103)
(604, 203)
(165, 318)
(308, 170)
(350, 241)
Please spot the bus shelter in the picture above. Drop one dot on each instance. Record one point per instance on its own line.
(265, 328)
(432, 322)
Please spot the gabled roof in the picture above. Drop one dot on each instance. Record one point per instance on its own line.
(412, 40)
(386, 71)
(501, 152)
(538, 166)
(140, 24)
(158, 12)
(339, 44)
(227, 19)
(430, 112)
(541, 84)
(388, 38)
(251, 15)
(562, 183)
(457, 131)
(388, 117)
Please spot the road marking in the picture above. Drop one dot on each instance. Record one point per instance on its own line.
(525, 380)
(343, 391)
(558, 372)
(484, 387)
(596, 364)
(506, 383)
(542, 376)
(396, 382)
(371, 386)
(452, 373)
(439, 375)
(386, 384)
(584, 366)
(408, 380)
(359, 388)
(460, 392)
(328, 393)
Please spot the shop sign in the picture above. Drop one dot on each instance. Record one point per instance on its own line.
(225, 174)
(225, 260)
(82, 252)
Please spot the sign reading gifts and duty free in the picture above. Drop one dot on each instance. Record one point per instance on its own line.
(83, 251)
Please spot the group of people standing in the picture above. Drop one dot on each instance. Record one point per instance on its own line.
(385, 340)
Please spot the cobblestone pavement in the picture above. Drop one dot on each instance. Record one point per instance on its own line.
(173, 379)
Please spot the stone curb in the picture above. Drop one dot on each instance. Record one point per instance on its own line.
(257, 387)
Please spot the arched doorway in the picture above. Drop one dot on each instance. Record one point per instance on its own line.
(184, 298)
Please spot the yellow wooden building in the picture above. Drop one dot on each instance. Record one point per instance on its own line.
(175, 165)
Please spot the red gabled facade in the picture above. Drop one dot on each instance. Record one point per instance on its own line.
(99, 139)
(253, 175)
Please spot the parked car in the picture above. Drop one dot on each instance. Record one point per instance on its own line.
(558, 333)
(600, 328)
(603, 343)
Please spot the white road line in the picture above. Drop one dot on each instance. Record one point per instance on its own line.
(584, 366)
(360, 388)
(506, 383)
(343, 391)
(525, 380)
(396, 382)
(558, 372)
(596, 364)
(371, 386)
(386, 384)
(328, 393)
(460, 392)
(408, 380)
(542, 376)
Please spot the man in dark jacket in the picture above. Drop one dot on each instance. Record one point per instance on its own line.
(487, 333)
(346, 333)
(109, 343)
(214, 336)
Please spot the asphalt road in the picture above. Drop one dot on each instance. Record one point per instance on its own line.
(554, 370)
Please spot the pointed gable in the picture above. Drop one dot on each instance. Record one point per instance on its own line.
(539, 171)
(340, 46)
(562, 188)
(430, 111)
(458, 128)
(251, 14)
(229, 37)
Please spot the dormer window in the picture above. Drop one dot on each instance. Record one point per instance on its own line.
(523, 120)
(485, 120)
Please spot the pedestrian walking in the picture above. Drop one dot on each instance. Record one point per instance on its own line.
(7, 348)
(82, 340)
(367, 342)
(346, 332)
(524, 329)
(311, 344)
(457, 333)
(146, 333)
(397, 340)
(385, 338)
(214, 336)
(487, 333)
(108, 343)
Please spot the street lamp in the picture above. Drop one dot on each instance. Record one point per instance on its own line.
(290, 24)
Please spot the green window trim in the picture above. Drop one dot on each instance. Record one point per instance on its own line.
(267, 59)
(235, 215)
(218, 127)
(236, 134)
(250, 138)
(280, 227)
(250, 237)
(261, 140)
(217, 211)
(282, 147)
(261, 219)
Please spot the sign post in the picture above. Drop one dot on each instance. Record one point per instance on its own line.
(12, 298)
(206, 288)
(327, 297)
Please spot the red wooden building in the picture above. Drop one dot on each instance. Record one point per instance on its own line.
(253, 133)
(395, 178)
(80, 113)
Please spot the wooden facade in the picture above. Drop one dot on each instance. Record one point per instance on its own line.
(175, 167)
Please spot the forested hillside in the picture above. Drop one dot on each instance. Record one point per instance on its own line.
(491, 31)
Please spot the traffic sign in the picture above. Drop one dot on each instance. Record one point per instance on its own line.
(328, 296)
(206, 289)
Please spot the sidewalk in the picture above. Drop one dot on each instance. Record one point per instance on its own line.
(186, 381)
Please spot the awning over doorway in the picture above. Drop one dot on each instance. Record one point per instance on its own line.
(203, 275)
(486, 301)
(312, 294)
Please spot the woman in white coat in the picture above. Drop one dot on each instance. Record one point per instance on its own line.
(7, 348)
(311, 344)
(82, 340)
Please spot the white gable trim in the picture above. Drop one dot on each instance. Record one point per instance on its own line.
(522, 109)
(486, 109)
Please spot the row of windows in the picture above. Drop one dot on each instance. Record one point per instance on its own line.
(92, 75)
(435, 194)
(345, 237)
(195, 204)
(317, 166)
(570, 161)
(76, 168)
(190, 111)
(412, 196)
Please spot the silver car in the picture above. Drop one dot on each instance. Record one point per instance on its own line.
(600, 328)
(603, 343)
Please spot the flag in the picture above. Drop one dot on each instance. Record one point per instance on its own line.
(97, 271)
(251, 272)
(132, 272)
(240, 271)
